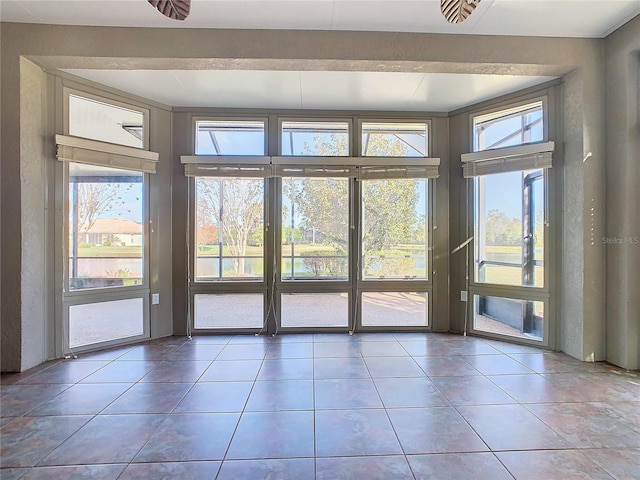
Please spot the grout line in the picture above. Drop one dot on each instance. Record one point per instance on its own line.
(351, 344)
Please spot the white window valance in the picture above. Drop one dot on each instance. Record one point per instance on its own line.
(226, 166)
(295, 166)
(93, 152)
(380, 167)
(509, 159)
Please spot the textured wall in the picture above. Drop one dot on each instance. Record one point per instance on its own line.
(440, 141)
(622, 239)
(181, 144)
(10, 274)
(161, 225)
(34, 239)
(90, 47)
(572, 226)
(459, 143)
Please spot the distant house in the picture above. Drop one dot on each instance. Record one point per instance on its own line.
(117, 231)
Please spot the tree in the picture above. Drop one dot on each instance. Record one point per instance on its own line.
(390, 212)
(235, 206)
(501, 230)
(207, 233)
(96, 200)
(324, 205)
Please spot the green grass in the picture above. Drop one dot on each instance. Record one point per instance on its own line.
(300, 249)
(111, 251)
(510, 275)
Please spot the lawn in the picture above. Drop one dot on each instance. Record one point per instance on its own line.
(110, 251)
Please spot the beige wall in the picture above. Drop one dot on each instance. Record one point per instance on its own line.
(622, 80)
(580, 60)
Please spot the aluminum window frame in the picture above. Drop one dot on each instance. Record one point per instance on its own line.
(195, 119)
(317, 119)
(527, 293)
(364, 119)
(273, 289)
(109, 100)
(66, 298)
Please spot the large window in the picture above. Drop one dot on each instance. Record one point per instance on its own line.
(509, 228)
(227, 183)
(106, 227)
(394, 229)
(229, 228)
(105, 269)
(312, 237)
(315, 228)
(510, 176)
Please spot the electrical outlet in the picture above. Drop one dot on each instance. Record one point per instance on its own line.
(463, 295)
(155, 298)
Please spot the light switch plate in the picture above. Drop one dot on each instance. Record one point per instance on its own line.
(155, 298)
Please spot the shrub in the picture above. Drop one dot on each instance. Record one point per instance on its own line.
(326, 264)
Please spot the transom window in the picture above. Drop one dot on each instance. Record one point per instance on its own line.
(318, 139)
(394, 139)
(230, 137)
(506, 128)
(97, 120)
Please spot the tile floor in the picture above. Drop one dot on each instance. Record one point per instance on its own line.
(326, 406)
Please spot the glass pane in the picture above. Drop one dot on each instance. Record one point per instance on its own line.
(230, 137)
(106, 227)
(508, 316)
(394, 139)
(107, 123)
(229, 311)
(229, 229)
(315, 138)
(100, 322)
(314, 310)
(508, 128)
(394, 229)
(509, 229)
(394, 309)
(315, 229)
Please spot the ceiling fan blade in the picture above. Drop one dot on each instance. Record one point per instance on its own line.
(457, 11)
(174, 9)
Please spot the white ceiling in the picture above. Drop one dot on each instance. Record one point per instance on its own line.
(384, 91)
(557, 18)
(328, 90)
